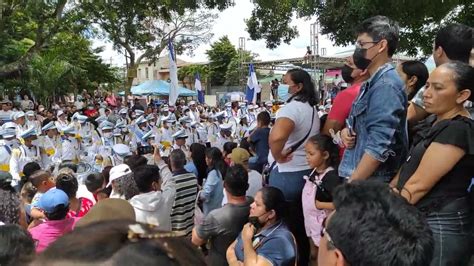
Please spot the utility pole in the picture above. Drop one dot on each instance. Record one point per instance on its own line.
(314, 42)
(241, 59)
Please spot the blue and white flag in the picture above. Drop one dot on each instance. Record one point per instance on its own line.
(198, 86)
(173, 95)
(252, 86)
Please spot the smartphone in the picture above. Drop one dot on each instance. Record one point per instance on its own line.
(142, 150)
(349, 127)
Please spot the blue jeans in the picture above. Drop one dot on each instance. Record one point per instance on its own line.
(290, 183)
(451, 227)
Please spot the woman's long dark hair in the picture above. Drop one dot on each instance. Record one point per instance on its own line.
(417, 69)
(198, 155)
(217, 161)
(308, 93)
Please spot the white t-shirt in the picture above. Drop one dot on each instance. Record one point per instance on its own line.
(300, 113)
(255, 183)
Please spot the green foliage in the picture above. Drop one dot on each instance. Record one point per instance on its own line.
(220, 55)
(235, 73)
(419, 20)
(189, 72)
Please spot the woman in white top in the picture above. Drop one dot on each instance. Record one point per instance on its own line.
(295, 122)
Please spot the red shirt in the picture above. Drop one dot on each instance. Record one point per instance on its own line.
(342, 104)
(86, 205)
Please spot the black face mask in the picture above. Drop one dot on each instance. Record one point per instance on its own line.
(359, 58)
(255, 222)
(346, 73)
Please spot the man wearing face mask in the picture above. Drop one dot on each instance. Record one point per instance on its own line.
(107, 139)
(71, 147)
(342, 103)
(222, 226)
(27, 152)
(185, 122)
(375, 136)
(165, 136)
(8, 144)
(20, 121)
(31, 121)
(139, 129)
(51, 143)
(119, 152)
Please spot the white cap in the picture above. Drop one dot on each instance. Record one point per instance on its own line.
(228, 104)
(30, 113)
(100, 119)
(140, 120)
(69, 130)
(28, 133)
(185, 119)
(106, 125)
(192, 103)
(8, 133)
(225, 126)
(117, 172)
(123, 111)
(121, 149)
(139, 112)
(268, 103)
(60, 113)
(50, 125)
(9, 125)
(181, 134)
(147, 135)
(219, 114)
(17, 115)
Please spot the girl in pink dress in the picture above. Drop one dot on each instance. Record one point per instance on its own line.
(323, 156)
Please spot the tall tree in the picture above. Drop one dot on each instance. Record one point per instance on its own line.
(220, 55)
(419, 20)
(236, 72)
(27, 27)
(142, 29)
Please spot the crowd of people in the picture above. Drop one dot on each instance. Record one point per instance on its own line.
(380, 174)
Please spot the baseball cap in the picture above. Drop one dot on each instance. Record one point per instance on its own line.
(117, 172)
(240, 156)
(53, 198)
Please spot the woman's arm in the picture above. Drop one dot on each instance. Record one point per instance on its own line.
(324, 205)
(432, 168)
(210, 184)
(278, 136)
(231, 257)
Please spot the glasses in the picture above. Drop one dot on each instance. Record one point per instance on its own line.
(360, 44)
(324, 232)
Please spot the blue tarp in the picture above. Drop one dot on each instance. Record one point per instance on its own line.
(158, 88)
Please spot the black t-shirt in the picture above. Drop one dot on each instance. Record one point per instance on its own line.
(330, 181)
(459, 132)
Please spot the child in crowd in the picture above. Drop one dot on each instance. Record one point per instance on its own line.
(323, 156)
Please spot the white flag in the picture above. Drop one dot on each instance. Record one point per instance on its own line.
(173, 95)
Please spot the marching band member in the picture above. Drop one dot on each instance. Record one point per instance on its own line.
(123, 116)
(25, 153)
(31, 121)
(62, 120)
(194, 112)
(225, 135)
(119, 152)
(213, 129)
(252, 115)
(9, 143)
(71, 147)
(51, 144)
(180, 141)
(242, 128)
(185, 123)
(20, 121)
(165, 137)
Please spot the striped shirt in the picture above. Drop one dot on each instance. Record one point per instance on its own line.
(182, 214)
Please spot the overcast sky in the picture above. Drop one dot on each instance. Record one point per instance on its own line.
(231, 23)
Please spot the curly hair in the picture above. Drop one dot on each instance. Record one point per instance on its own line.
(9, 207)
